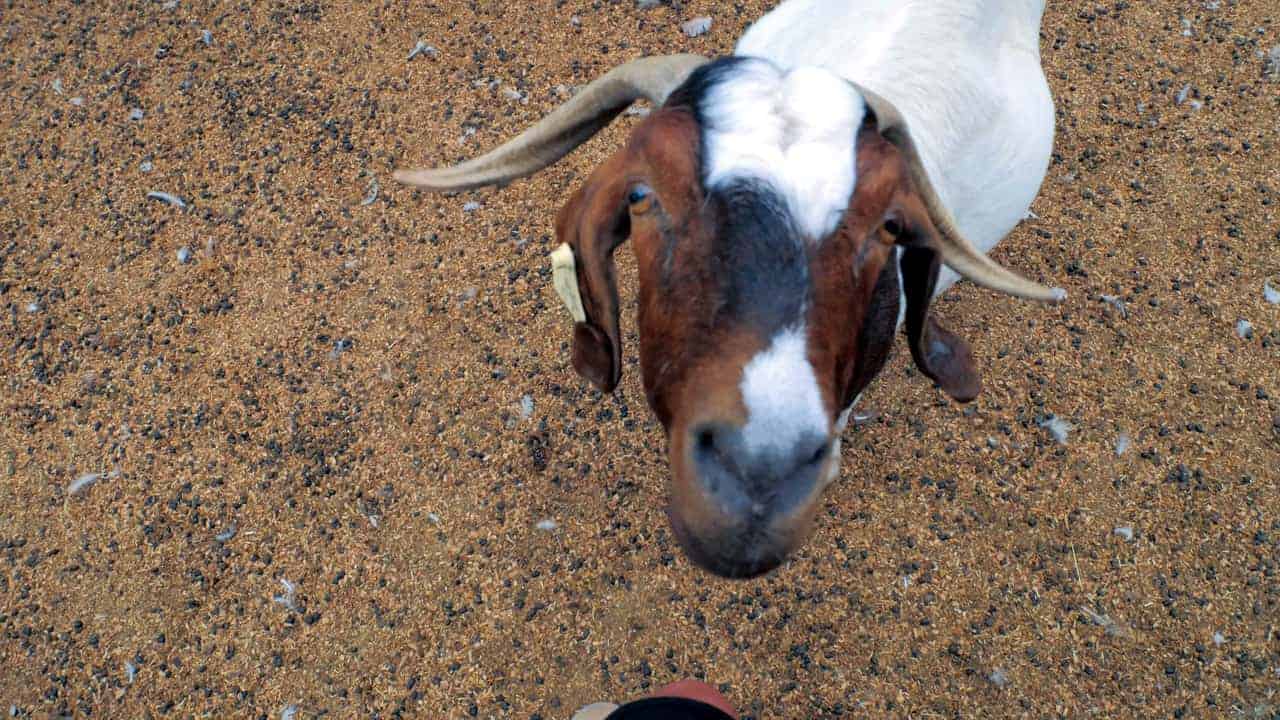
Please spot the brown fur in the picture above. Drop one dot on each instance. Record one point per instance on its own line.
(692, 360)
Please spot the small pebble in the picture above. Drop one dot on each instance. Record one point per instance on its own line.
(648, 4)
(373, 193)
(1244, 329)
(173, 200)
(1116, 303)
(84, 481)
(57, 85)
(1124, 531)
(131, 670)
(226, 535)
(526, 407)
(289, 712)
(287, 598)
(547, 525)
(33, 307)
(1122, 444)
(421, 48)
(471, 206)
(1183, 94)
(1271, 294)
(1218, 639)
(433, 518)
(77, 101)
(206, 37)
(998, 678)
(136, 114)
(90, 381)
(697, 26)
(184, 255)
(146, 166)
(1112, 628)
(1057, 427)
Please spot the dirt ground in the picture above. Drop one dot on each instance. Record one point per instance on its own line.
(329, 424)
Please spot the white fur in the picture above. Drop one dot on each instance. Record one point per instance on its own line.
(793, 129)
(781, 394)
(842, 422)
(966, 76)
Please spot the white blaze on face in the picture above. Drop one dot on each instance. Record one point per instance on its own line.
(780, 391)
(796, 130)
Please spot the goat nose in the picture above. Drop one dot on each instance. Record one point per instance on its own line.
(754, 484)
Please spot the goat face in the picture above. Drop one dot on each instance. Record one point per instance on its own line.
(776, 219)
(757, 326)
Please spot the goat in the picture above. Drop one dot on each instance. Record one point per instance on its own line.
(790, 207)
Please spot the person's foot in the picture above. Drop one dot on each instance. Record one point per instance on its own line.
(595, 711)
(688, 689)
(700, 691)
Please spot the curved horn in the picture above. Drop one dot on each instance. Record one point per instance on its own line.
(956, 250)
(567, 127)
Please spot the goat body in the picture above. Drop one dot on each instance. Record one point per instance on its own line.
(966, 76)
(788, 208)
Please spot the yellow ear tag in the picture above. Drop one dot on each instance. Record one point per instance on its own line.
(565, 279)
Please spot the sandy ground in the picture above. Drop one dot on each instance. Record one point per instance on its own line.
(371, 403)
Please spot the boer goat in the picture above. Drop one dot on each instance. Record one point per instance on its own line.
(789, 208)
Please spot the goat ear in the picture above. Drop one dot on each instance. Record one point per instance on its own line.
(939, 353)
(593, 223)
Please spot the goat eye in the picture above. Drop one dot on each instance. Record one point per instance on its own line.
(893, 227)
(639, 196)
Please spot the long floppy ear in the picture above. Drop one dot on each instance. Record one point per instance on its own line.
(939, 353)
(592, 224)
(931, 236)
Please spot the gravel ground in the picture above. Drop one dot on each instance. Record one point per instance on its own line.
(279, 438)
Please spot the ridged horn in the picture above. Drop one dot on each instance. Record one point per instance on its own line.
(957, 252)
(567, 127)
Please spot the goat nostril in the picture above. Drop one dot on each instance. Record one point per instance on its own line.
(706, 441)
(819, 454)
